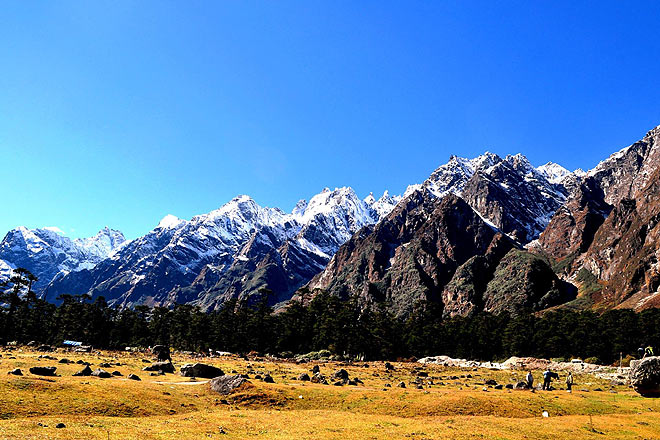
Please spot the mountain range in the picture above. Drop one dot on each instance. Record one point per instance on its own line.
(489, 233)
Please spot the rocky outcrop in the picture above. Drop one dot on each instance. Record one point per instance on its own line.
(572, 228)
(43, 371)
(410, 255)
(626, 250)
(163, 367)
(645, 376)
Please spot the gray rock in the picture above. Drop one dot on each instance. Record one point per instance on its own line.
(645, 376)
(227, 384)
(201, 370)
(304, 377)
(133, 377)
(117, 373)
(16, 372)
(101, 373)
(43, 371)
(268, 379)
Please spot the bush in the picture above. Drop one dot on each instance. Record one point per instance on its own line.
(592, 360)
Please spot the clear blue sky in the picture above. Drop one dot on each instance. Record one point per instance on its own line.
(117, 113)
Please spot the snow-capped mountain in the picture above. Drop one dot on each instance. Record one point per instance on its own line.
(48, 254)
(509, 193)
(229, 252)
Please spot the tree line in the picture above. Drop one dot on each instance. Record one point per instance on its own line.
(324, 323)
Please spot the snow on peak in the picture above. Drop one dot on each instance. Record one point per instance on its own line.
(55, 229)
(169, 222)
(554, 173)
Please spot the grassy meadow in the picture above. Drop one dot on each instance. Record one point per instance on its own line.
(450, 403)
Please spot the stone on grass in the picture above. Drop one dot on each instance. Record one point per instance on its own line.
(165, 367)
(304, 377)
(227, 384)
(16, 372)
(645, 376)
(43, 371)
(84, 372)
(201, 370)
(101, 373)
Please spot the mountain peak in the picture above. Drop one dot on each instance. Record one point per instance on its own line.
(169, 222)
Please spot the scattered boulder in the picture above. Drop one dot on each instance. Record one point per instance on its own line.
(268, 379)
(84, 372)
(304, 377)
(389, 367)
(161, 352)
(165, 367)
(60, 426)
(81, 362)
(43, 371)
(47, 348)
(508, 386)
(499, 386)
(65, 361)
(227, 384)
(319, 378)
(16, 372)
(338, 383)
(133, 377)
(101, 373)
(521, 386)
(340, 374)
(491, 382)
(104, 365)
(201, 370)
(401, 384)
(316, 369)
(645, 376)
(117, 373)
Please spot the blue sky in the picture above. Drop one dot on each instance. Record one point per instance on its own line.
(117, 113)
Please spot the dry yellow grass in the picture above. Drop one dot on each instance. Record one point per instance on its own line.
(172, 407)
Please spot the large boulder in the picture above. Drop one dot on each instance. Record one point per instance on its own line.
(645, 376)
(43, 371)
(201, 370)
(165, 367)
(227, 384)
(161, 352)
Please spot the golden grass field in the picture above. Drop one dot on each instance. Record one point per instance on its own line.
(173, 407)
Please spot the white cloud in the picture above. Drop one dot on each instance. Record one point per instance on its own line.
(55, 229)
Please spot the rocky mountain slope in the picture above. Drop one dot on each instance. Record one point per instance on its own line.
(605, 238)
(234, 251)
(488, 233)
(48, 254)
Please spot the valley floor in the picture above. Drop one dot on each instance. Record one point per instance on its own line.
(171, 407)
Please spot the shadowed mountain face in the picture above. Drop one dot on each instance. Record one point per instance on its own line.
(605, 239)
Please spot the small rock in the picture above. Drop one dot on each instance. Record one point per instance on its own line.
(117, 373)
(401, 384)
(133, 377)
(101, 373)
(84, 372)
(16, 372)
(60, 426)
(268, 379)
(304, 377)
